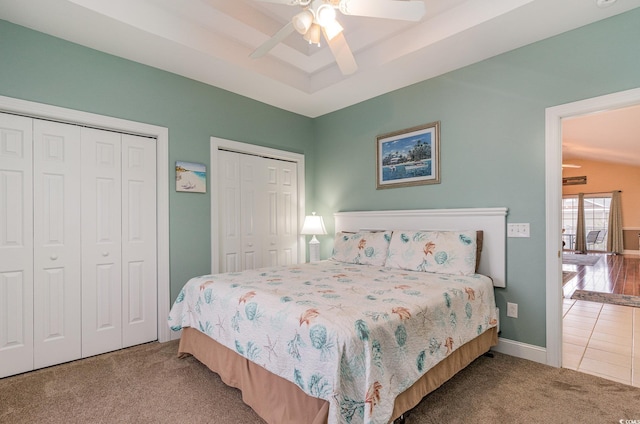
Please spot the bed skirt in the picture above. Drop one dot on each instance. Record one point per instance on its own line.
(279, 401)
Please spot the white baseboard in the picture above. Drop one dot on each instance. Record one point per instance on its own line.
(521, 350)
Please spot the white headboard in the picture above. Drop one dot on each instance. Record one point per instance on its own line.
(492, 221)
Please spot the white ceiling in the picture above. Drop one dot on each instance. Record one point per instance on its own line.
(609, 136)
(210, 41)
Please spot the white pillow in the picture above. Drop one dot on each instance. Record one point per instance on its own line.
(363, 247)
(442, 252)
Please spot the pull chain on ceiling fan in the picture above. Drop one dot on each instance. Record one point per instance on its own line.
(319, 17)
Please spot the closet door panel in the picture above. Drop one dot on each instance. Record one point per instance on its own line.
(271, 230)
(252, 183)
(57, 252)
(139, 278)
(16, 245)
(101, 242)
(230, 258)
(282, 219)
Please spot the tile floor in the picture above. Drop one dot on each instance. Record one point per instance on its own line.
(602, 339)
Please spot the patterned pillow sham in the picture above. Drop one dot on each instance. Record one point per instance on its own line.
(441, 252)
(363, 247)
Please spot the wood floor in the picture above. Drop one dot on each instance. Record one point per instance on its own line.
(599, 338)
(618, 274)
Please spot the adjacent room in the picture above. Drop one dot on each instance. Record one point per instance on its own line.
(600, 273)
(318, 211)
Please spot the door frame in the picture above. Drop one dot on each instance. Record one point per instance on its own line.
(217, 144)
(161, 135)
(553, 199)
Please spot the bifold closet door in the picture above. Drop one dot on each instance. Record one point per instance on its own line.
(119, 277)
(281, 213)
(258, 212)
(139, 239)
(101, 242)
(16, 245)
(56, 237)
(230, 237)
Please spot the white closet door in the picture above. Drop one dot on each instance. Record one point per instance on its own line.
(242, 221)
(281, 244)
(258, 212)
(252, 210)
(139, 279)
(57, 252)
(101, 242)
(16, 245)
(229, 211)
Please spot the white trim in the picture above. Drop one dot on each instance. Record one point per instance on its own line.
(553, 196)
(161, 134)
(521, 350)
(239, 147)
(492, 221)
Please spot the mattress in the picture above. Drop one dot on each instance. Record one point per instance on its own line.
(353, 336)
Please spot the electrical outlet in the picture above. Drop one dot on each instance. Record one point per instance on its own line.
(512, 310)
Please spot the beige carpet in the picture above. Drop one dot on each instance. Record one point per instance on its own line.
(149, 384)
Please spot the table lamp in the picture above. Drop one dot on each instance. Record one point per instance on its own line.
(313, 225)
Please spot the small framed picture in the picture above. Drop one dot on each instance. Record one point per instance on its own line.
(408, 157)
(191, 177)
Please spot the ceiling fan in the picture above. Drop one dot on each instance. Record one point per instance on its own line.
(319, 17)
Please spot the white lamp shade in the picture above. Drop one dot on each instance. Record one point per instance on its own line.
(302, 21)
(313, 35)
(313, 225)
(325, 14)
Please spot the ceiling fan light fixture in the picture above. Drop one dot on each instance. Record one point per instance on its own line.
(303, 21)
(325, 15)
(313, 35)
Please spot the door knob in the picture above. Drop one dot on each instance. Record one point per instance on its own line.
(53, 257)
(105, 254)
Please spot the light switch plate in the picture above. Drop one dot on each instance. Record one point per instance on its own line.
(518, 230)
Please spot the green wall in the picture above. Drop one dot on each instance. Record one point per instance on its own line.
(44, 69)
(492, 135)
(492, 117)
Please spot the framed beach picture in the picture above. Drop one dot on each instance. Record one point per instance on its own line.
(408, 157)
(191, 177)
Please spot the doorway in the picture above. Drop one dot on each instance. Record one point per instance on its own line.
(553, 200)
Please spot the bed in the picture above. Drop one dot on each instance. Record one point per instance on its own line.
(363, 336)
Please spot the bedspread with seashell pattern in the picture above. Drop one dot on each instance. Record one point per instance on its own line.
(354, 335)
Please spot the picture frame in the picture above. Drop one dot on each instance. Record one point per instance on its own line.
(191, 177)
(408, 157)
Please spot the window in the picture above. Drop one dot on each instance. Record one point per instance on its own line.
(596, 218)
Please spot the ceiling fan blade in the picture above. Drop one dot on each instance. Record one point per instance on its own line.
(271, 42)
(411, 10)
(341, 51)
